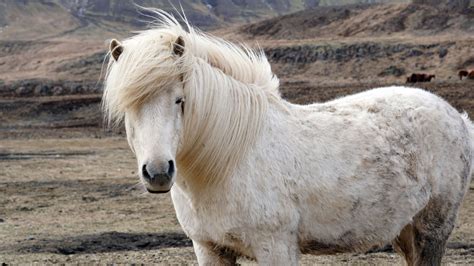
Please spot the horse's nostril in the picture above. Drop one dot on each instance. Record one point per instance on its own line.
(145, 173)
(170, 168)
(154, 176)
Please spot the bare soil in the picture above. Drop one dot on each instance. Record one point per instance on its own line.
(71, 195)
(78, 201)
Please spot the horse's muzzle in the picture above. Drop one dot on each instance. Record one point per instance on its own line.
(158, 181)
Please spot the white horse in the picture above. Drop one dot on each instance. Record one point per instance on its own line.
(257, 176)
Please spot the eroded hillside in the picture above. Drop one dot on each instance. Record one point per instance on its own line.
(364, 21)
(340, 44)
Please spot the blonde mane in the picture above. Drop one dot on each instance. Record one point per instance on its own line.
(227, 89)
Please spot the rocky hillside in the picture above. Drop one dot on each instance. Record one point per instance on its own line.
(364, 20)
(31, 19)
(366, 43)
(458, 5)
(66, 39)
(373, 61)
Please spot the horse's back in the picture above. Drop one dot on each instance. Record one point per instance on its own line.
(415, 119)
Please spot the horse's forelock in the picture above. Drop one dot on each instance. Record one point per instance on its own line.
(147, 65)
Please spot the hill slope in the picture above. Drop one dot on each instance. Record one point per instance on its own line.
(32, 19)
(66, 40)
(362, 21)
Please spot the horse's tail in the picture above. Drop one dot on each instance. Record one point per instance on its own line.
(470, 128)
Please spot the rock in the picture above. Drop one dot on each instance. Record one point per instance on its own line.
(414, 52)
(23, 91)
(41, 90)
(392, 71)
(24, 209)
(58, 90)
(77, 89)
(89, 199)
(442, 52)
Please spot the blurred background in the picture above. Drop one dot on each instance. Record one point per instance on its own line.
(68, 187)
(57, 47)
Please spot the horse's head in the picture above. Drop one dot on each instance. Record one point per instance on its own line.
(144, 87)
(226, 88)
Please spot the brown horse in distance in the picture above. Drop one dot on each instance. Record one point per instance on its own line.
(463, 73)
(419, 77)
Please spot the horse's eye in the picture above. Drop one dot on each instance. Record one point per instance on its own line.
(179, 100)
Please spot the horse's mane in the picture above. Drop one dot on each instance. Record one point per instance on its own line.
(148, 56)
(222, 119)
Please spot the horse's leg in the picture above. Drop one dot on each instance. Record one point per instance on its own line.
(276, 250)
(431, 229)
(208, 254)
(404, 244)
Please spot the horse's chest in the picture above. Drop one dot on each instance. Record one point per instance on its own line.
(233, 243)
(215, 228)
(223, 236)
(230, 240)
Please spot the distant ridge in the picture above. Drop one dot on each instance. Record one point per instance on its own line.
(41, 16)
(362, 20)
(67, 39)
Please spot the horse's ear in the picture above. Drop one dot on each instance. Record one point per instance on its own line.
(178, 46)
(116, 49)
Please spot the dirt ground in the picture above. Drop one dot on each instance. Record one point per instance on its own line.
(72, 196)
(78, 201)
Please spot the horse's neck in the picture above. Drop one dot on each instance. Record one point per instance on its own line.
(278, 128)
